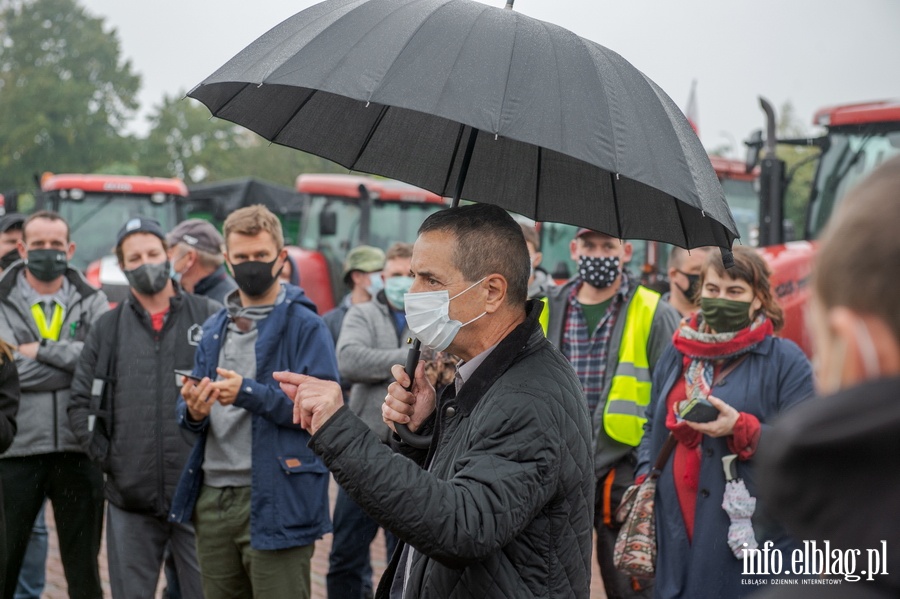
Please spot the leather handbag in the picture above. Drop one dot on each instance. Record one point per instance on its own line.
(634, 553)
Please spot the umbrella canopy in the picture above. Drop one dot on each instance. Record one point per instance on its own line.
(558, 128)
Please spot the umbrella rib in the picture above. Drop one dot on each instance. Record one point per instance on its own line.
(226, 103)
(612, 182)
(369, 135)
(459, 134)
(681, 221)
(537, 181)
(296, 112)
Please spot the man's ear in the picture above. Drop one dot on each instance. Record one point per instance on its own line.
(573, 250)
(627, 253)
(861, 354)
(20, 245)
(538, 256)
(71, 251)
(872, 348)
(496, 292)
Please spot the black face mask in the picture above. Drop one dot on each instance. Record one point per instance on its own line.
(149, 279)
(8, 258)
(46, 265)
(255, 278)
(693, 286)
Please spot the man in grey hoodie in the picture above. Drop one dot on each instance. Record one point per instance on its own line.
(46, 310)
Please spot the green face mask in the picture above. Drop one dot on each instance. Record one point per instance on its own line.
(724, 315)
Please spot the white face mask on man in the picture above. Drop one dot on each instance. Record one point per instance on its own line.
(869, 355)
(428, 317)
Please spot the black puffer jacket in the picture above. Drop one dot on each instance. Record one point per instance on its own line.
(147, 450)
(504, 507)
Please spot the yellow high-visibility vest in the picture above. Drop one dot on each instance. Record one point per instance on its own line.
(629, 393)
(52, 330)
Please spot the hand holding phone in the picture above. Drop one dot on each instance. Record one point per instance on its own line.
(188, 374)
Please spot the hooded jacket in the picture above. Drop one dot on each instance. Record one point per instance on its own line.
(43, 425)
(147, 449)
(829, 473)
(289, 483)
(502, 504)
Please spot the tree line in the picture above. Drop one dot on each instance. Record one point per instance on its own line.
(67, 95)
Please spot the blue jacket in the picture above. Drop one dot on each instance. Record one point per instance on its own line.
(774, 377)
(289, 483)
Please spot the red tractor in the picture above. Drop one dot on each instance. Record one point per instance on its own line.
(96, 206)
(857, 138)
(343, 211)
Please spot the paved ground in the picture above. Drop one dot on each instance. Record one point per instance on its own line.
(56, 582)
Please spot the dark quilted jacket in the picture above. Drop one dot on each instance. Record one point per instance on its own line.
(147, 449)
(504, 505)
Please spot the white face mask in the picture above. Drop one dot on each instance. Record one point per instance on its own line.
(428, 317)
(868, 353)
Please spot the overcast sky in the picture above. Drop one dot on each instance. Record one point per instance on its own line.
(813, 53)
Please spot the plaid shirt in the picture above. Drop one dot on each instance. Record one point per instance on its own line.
(587, 353)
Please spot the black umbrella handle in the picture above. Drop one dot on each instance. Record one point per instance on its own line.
(409, 437)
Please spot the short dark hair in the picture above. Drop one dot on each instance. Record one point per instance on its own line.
(749, 267)
(46, 214)
(488, 241)
(399, 249)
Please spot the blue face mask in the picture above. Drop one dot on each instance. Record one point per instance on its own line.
(395, 288)
(375, 283)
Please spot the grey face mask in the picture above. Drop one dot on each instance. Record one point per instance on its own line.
(149, 279)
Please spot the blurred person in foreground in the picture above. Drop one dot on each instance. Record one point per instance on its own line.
(736, 324)
(47, 309)
(830, 467)
(373, 338)
(134, 349)
(500, 506)
(684, 278)
(196, 254)
(255, 492)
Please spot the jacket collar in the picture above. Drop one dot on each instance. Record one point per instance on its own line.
(8, 280)
(522, 341)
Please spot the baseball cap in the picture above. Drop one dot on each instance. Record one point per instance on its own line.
(139, 224)
(364, 258)
(197, 233)
(10, 221)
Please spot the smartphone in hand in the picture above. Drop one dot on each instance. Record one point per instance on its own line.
(187, 374)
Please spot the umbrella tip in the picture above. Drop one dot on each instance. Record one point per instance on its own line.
(509, 4)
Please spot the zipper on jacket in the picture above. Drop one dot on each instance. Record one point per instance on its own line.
(55, 422)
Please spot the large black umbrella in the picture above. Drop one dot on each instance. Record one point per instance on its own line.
(483, 103)
(557, 128)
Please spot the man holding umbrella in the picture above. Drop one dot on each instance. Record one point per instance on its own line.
(500, 505)
(612, 330)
